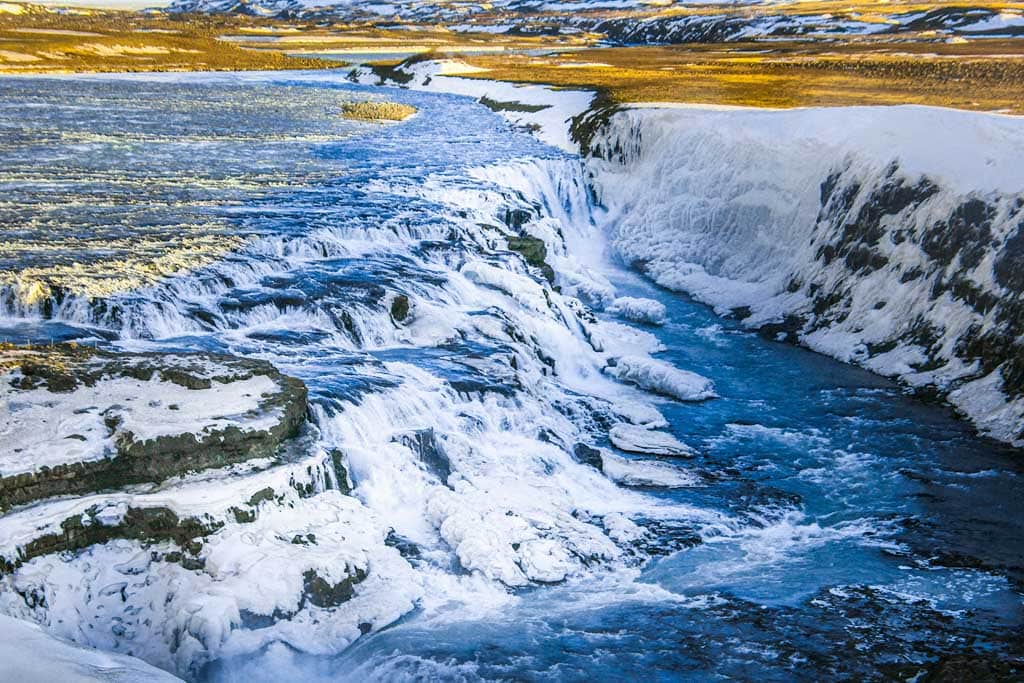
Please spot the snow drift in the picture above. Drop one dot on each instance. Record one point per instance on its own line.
(892, 237)
(65, 661)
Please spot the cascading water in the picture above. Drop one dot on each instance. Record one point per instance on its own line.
(827, 524)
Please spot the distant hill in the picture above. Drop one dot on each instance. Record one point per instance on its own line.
(648, 22)
(409, 10)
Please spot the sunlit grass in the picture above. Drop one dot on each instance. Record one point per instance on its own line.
(124, 41)
(981, 75)
(377, 111)
(883, 69)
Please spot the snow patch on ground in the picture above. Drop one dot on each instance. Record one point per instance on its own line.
(30, 655)
(539, 108)
(41, 428)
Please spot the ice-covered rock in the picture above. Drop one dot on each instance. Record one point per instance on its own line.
(640, 413)
(622, 528)
(639, 440)
(652, 473)
(191, 564)
(637, 310)
(662, 378)
(518, 287)
(76, 420)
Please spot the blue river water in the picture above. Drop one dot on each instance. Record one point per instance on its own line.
(870, 533)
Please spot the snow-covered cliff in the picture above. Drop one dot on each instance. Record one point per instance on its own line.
(892, 237)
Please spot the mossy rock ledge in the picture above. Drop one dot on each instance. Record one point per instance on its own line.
(78, 420)
(534, 252)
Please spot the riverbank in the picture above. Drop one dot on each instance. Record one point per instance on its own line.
(982, 75)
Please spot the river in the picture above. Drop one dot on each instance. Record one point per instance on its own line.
(830, 525)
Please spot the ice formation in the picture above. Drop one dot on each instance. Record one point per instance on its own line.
(639, 440)
(874, 235)
(661, 377)
(22, 646)
(639, 310)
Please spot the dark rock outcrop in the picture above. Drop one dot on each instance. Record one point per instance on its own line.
(425, 445)
(534, 252)
(135, 460)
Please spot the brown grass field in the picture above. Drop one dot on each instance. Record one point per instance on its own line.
(39, 41)
(983, 75)
(979, 74)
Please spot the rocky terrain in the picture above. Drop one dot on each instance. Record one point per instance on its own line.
(631, 23)
(191, 467)
(135, 418)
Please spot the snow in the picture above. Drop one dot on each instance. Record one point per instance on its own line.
(984, 403)
(507, 517)
(212, 494)
(726, 204)
(113, 514)
(550, 123)
(40, 428)
(435, 11)
(254, 567)
(634, 439)
(623, 529)
(519, 287)
(646, 473)
(638, 310)
(640, 413)
(661, 377)
(455, 67)
(996, 22)
(30, 655)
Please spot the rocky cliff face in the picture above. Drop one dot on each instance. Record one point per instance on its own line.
(876, 235)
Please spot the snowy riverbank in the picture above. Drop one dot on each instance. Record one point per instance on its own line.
(890, 237)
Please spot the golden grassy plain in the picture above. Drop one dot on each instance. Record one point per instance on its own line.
(986, 75)
(915, 68)
(41, 41)
(377, 111)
